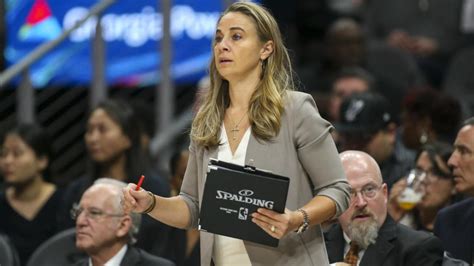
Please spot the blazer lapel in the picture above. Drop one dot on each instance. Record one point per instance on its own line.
(377, 253)
(335, 244)
(252, 152)
(210, 153)
(206, 156)
(132, 257)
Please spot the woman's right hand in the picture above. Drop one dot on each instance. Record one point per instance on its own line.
(135, 201)
(393, 208)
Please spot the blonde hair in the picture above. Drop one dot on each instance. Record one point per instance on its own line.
(266, 104)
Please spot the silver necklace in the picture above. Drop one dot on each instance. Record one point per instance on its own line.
(235, 129)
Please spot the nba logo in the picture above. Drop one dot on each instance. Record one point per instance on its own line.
(243, 212)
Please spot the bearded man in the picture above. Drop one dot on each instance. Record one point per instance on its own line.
(366, 234)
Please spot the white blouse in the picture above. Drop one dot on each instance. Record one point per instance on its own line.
(228, 250)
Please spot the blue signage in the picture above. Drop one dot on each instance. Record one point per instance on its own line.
(132, 31)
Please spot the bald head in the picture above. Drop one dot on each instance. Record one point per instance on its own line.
(368, 208)
(357, 163)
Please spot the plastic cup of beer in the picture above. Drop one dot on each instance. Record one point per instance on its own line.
(414, 191)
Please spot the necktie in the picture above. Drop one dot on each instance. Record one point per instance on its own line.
(352, 255)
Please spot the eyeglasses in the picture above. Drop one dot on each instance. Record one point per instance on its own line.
(368, 192)
(91, 213)
(432, 176)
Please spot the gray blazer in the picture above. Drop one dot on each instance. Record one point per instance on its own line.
(305, 152)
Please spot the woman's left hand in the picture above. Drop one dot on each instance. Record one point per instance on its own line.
(275, 224)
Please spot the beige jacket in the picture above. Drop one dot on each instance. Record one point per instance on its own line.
(305, 152)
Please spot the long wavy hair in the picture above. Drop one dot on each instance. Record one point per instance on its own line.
(266, 104)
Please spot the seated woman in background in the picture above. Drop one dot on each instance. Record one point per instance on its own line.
(29, 204)
(114, 150)
(428, 116)
(438, 185)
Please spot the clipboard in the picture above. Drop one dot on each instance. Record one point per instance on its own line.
(232, 193)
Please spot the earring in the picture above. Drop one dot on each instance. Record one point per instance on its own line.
(264, 66)
(423, 137)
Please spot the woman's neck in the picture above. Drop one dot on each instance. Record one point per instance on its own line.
(115, 169)
(240, 92)
(29, 191)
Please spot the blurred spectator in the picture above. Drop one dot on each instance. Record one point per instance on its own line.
(113, 144)
(438, 187)
(104, 232)
(346, 46)
(312, 23)
(396, 72)
(30, 203)
(454, 224)
(459, 81)
(366, 124)
(427, 116)
(348, 8)
(343, 46)
(366, 235)
(347, 82)
(427, 29)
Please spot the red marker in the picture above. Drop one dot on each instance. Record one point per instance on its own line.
(140, 183)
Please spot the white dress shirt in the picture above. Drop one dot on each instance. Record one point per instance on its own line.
(116, 259)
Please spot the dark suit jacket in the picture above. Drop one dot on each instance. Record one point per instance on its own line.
(455, 227)
(136, 257)
(395, 245)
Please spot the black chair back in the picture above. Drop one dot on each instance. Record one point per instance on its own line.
(60, 249)
(8, 254)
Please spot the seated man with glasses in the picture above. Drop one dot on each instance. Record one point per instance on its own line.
(104, 232)
(365, 234)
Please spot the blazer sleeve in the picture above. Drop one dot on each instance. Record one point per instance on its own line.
(189, 188)
(428, 252)
(317, 152)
